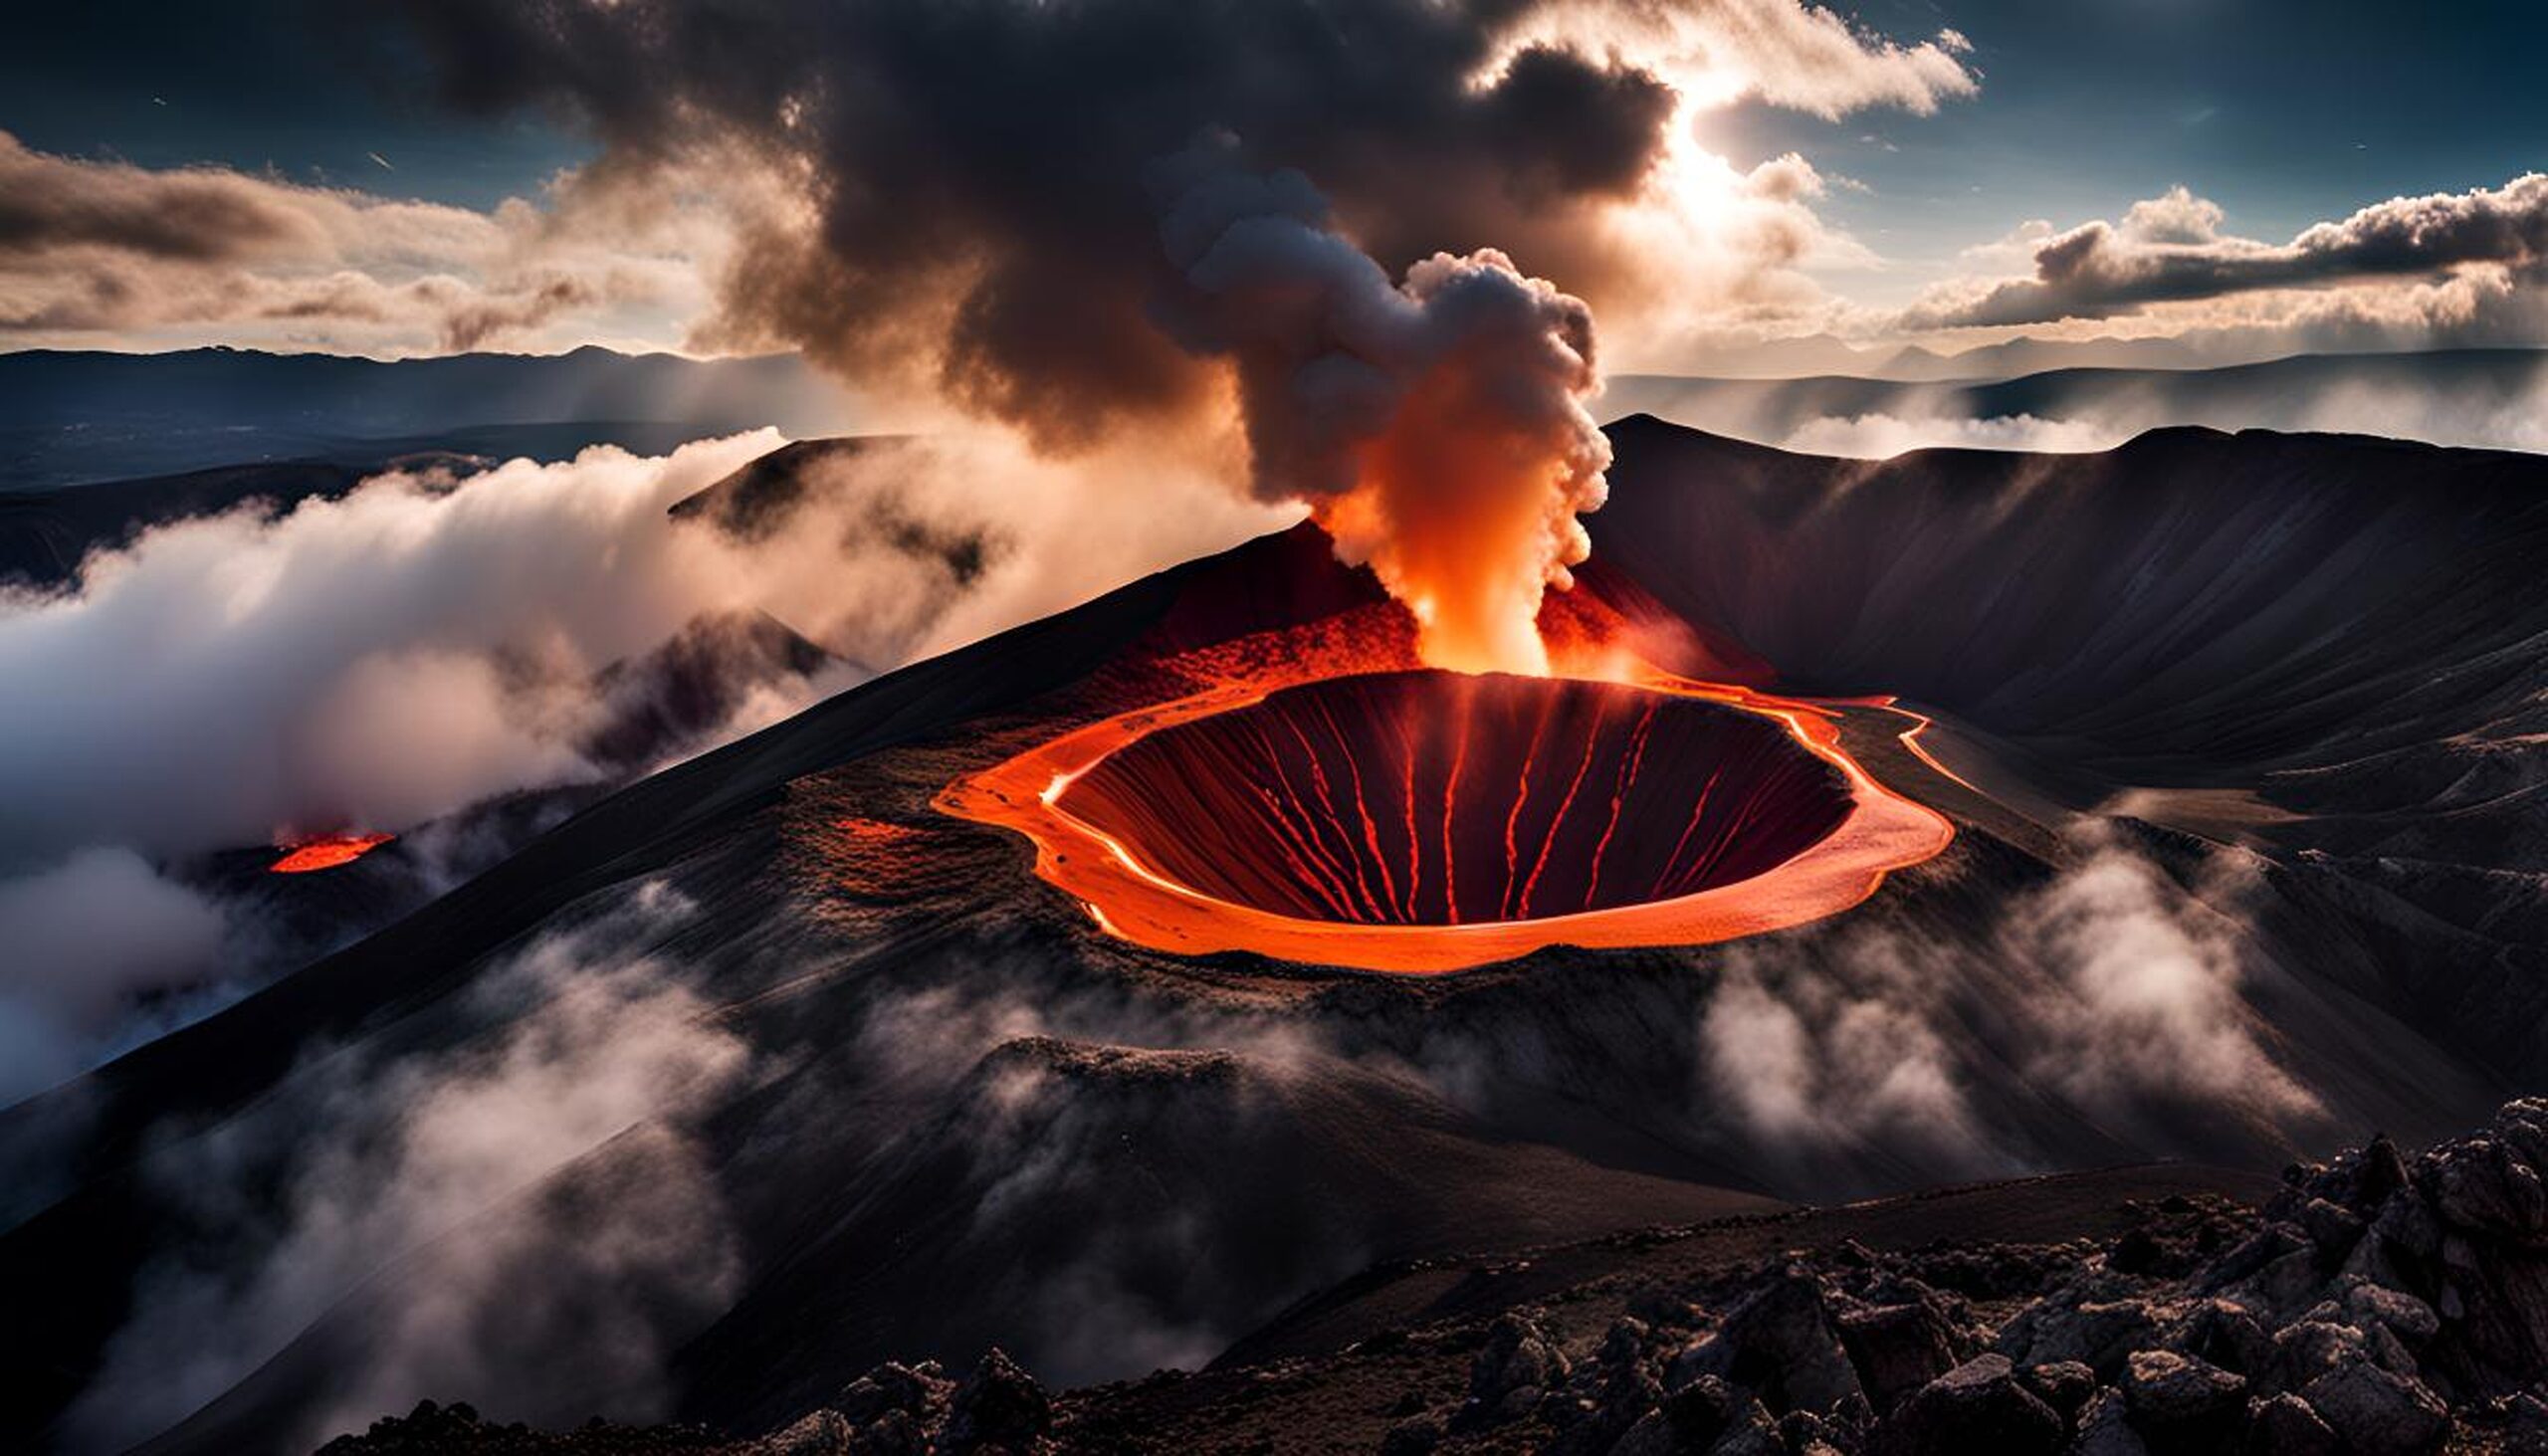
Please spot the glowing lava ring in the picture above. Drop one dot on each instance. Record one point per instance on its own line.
(1421, 821)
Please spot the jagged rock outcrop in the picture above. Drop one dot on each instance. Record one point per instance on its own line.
(2370, 1309)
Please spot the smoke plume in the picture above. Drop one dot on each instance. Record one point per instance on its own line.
(964, 204)
(1437, 426)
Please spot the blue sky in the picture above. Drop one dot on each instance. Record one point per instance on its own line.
(2284, 111)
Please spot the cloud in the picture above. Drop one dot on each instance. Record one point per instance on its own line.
(108, 251)
(1783, 52)
(88, 937)
(423, 644)
(548, 1221)
(371, 659)
(1880, 436)
(2458, 264)
(2176, 216)
(2110, 988)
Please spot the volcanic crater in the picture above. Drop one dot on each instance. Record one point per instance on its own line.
(1433, 798)
(1421, 820)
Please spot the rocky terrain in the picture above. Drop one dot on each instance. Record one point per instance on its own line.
(2371, 1304)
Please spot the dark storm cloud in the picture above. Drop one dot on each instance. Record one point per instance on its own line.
(974, 170)
(2168, 251)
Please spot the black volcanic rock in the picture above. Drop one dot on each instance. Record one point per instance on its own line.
(1515, 1369)
(998, 1410)
(1978, 1405)
(2182, 1400)
(1897, 1349)
(2338, 1377)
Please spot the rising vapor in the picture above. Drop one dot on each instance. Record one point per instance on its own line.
(1437, 427)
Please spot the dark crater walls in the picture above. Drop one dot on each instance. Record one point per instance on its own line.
(1433, 798)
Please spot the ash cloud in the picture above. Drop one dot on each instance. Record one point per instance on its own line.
(958, 199)
(1437, 427)
(967, 204)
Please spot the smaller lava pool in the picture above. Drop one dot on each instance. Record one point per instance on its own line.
(327, 852)
(1421, 821)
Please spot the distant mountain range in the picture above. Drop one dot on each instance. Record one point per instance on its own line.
(1822, 354)
(67, 418)
(71, 419)
(2471, 397)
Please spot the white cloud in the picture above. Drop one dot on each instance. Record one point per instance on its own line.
(105, 253)
(1880, 436)
(2465, 267)
(1783, 51)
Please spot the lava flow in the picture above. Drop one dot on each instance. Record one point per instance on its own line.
(1320, 802)
(325, 853)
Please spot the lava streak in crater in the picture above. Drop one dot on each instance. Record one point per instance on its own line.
(1419, 820)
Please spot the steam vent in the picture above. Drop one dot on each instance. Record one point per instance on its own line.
(1426, 821)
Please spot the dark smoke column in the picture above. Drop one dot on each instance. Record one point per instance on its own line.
(1436, 427)
(963, 201)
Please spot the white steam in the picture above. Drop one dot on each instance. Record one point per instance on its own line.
(2110, 989)
(516, 1288)
(2142, 1003)
(86, 938)
(389, 658)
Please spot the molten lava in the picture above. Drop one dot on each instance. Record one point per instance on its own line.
(327, 851)
(1353, 800)
(1326, 801)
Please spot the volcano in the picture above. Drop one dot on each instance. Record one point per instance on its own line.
(925, 1068)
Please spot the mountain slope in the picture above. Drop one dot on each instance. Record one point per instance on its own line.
(2157, 678)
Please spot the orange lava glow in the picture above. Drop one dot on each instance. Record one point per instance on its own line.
(327, 853)
(1356, 883)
